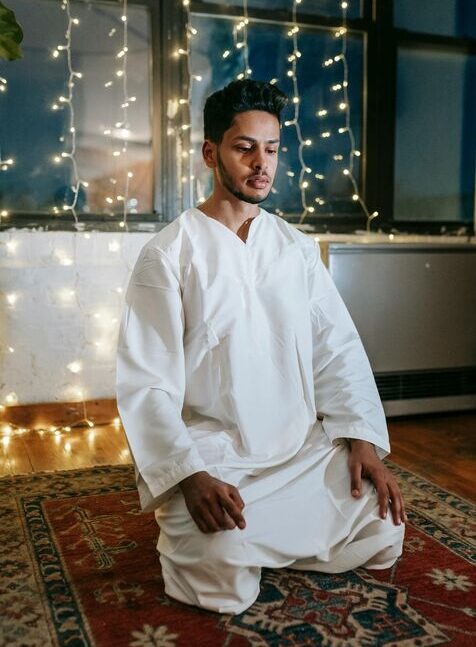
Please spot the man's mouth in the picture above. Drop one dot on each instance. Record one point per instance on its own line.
(258, 182)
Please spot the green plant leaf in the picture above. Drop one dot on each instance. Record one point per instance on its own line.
(11, 35)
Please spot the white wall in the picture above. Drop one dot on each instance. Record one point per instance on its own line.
(48, 327)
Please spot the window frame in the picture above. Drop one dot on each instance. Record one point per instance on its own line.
(169, 78)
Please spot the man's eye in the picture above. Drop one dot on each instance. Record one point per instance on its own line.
(273, 152)
(242, 148)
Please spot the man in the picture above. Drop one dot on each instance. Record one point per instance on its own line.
(231, 316)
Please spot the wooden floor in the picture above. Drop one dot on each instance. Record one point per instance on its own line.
(439, 447)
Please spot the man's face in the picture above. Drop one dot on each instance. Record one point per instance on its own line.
(247, 157)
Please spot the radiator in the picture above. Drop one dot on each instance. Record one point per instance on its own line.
(415, 309)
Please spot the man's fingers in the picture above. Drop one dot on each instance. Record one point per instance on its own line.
(234, 509)
(221, 517)
(397, 507)
(234, 494)
(382, 495)
(208, 521)
(201, 524)
(356, 479)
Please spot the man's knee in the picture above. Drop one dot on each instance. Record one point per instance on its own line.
(388, 540)
(209, 570)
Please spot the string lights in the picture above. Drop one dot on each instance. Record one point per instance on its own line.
(343, 106)
(303, 143)
(68, 293)
(121, 130)
(60, 432)
(306, 174)
(99, 333)
(185, 150)
(103, 324)
(67, 101)
(242, 43)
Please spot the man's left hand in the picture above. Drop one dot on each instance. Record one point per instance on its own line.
(364, 463)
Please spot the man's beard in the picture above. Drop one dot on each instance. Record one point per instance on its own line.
(228, 184)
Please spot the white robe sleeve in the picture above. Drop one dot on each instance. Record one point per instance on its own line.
(345, 390)
(150, 380)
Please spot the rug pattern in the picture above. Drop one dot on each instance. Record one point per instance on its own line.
(78, 567)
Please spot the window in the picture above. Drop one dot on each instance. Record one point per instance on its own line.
(435, 139)
(411, 79)
(35, 123)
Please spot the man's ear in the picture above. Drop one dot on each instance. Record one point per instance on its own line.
(209, 153)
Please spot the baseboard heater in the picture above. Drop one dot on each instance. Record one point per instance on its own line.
(414, 306)
(421, 391)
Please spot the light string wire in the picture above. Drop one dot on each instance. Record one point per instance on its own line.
(125, 125)
(345, 105)
(121, 128)
(68, 101)
(292, 73)
(186, 128)
(242, 26)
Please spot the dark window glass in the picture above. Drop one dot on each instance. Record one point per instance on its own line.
(435, 136)
(443, 17)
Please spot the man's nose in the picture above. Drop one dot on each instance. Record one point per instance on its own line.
(259, 160)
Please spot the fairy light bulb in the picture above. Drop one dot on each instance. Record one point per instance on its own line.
(75, 367)
(114, 246)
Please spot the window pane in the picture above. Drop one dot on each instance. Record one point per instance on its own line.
(30, 130)
(443, 17)
(318, 7)
(215, 35)
(435, 136)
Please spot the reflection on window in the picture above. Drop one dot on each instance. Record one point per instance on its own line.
(435, 136)
(31, 131)
(443, 17)
(329, 190)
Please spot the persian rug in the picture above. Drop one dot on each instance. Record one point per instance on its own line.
(79, 567)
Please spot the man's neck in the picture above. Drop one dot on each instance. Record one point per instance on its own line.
(230, 215)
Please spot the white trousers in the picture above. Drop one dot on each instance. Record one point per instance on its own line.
(299, 515)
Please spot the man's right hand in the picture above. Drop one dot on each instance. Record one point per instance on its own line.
(213, 504)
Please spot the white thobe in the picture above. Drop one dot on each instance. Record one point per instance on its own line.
(229, 356)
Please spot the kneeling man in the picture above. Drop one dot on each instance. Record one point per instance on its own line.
(247, 398)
